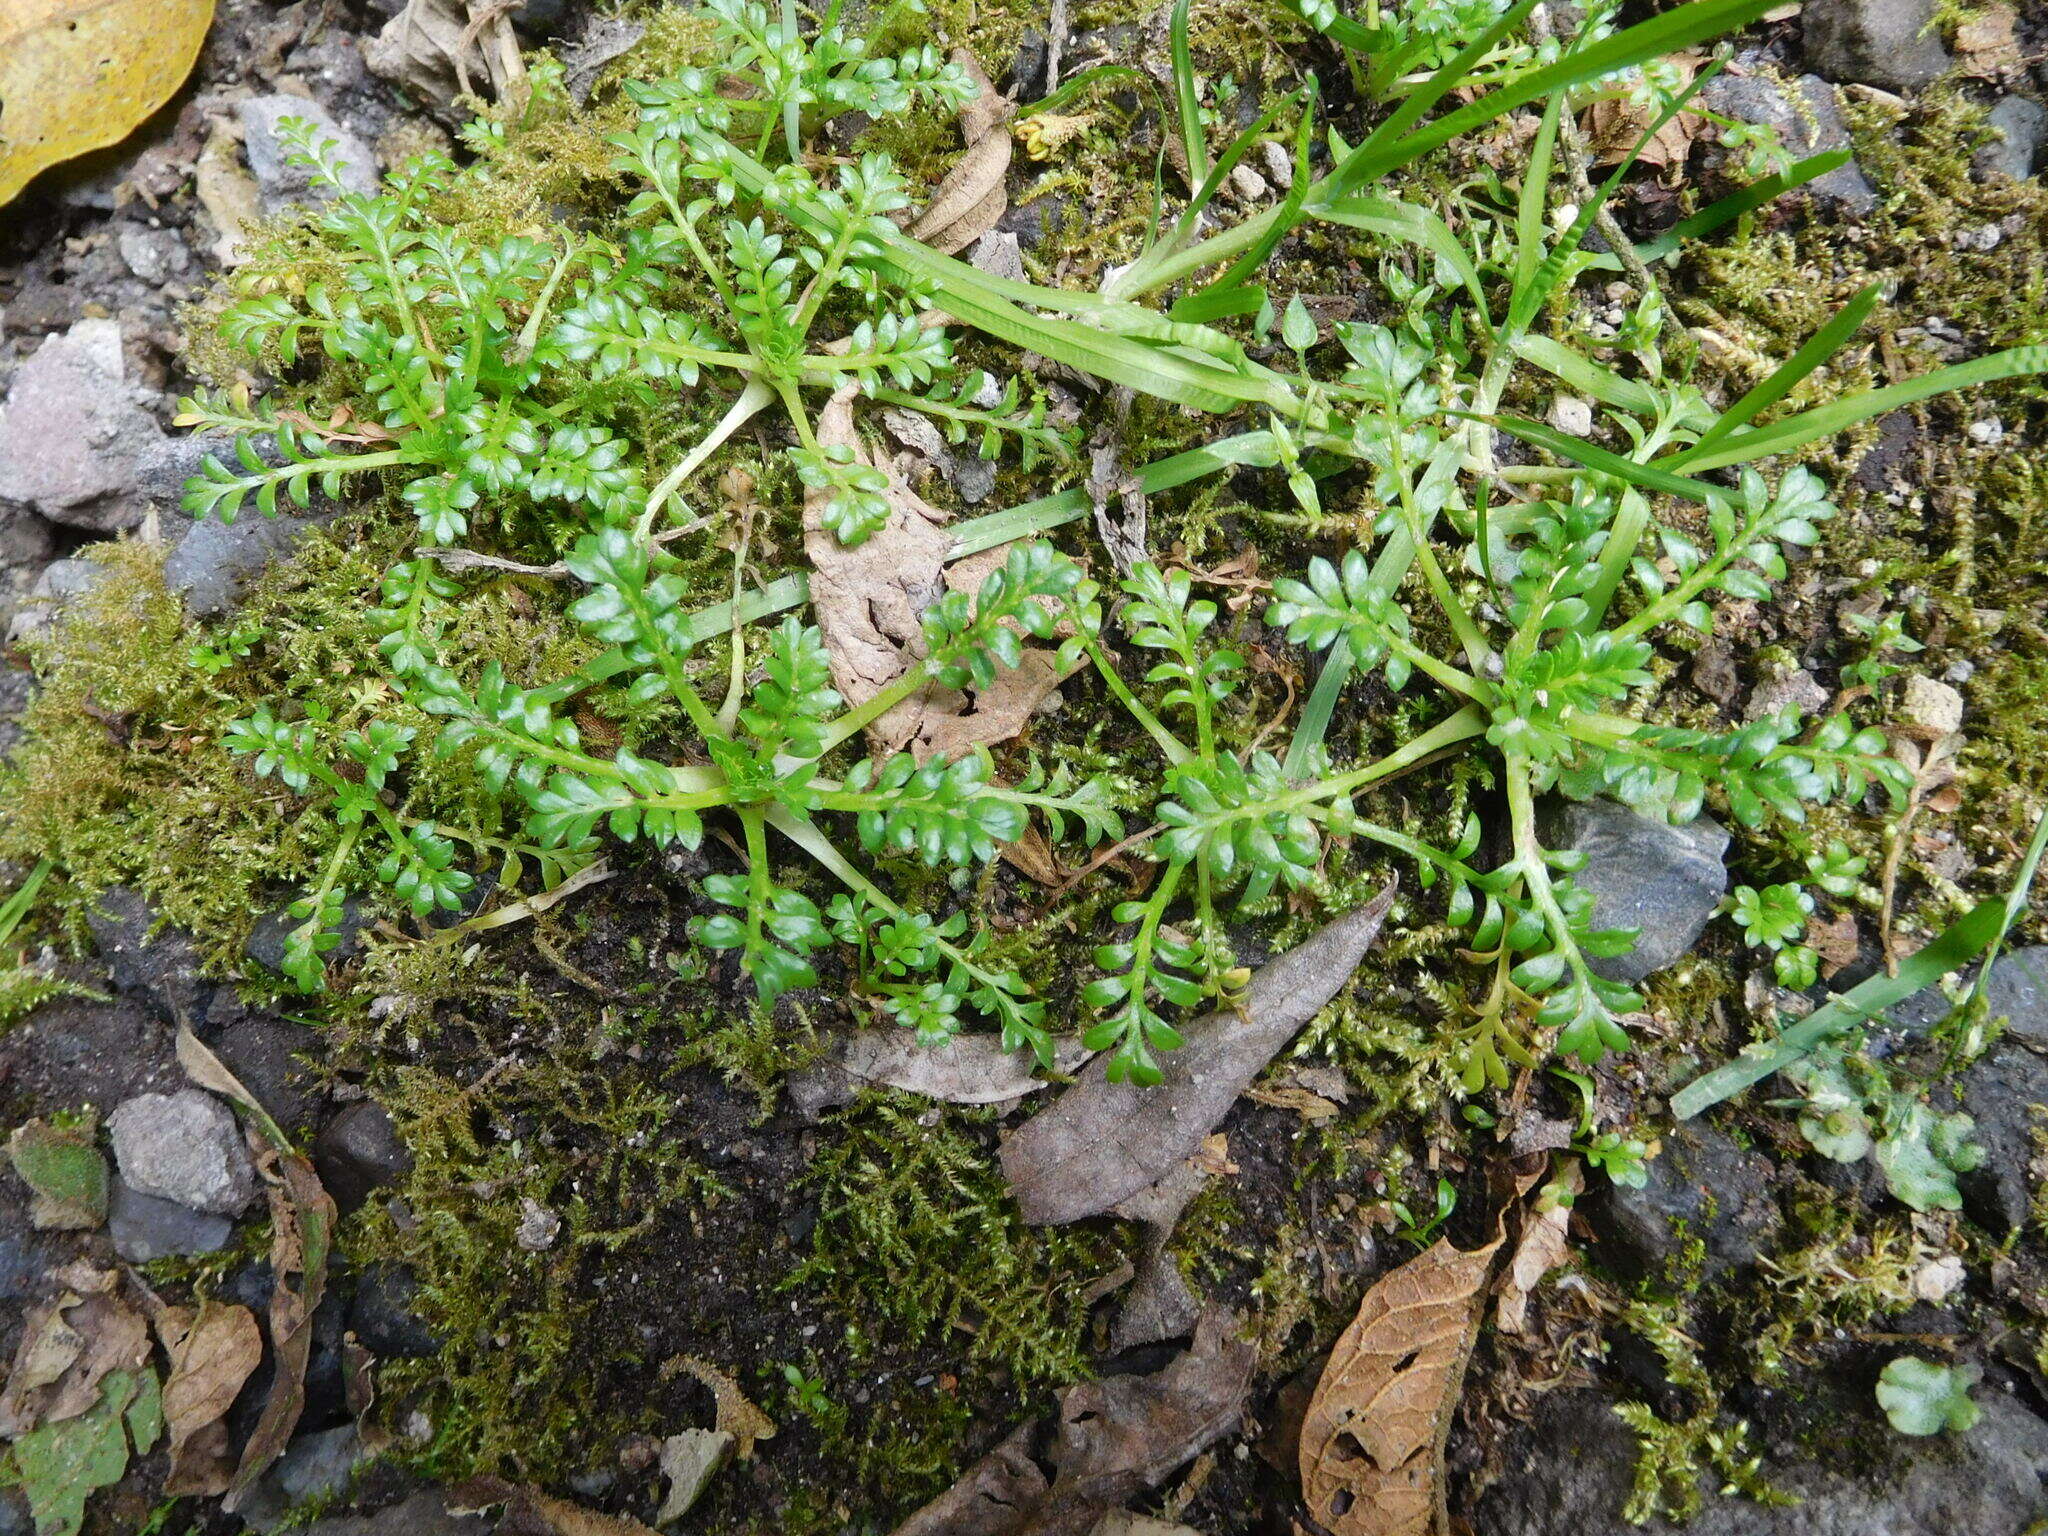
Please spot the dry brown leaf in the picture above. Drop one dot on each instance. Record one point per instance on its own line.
(1213, 1156)
(529, 1512)
(1103, 1142)
(211, 1356)
(1312, 1107)
(736, 1414)
(1986, 40)
(77, 75)
(1613, 124)
(301, 1234)
(1544, 1245)
(870, 601)
(968, 1069)
(972, 196)
(1032, 856)
(441, 50)
(1372, 1439)
(67, 1349)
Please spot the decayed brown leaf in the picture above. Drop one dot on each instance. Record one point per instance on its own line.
(301, 1233)
(1113, 1440)
(736, 1414)
(870, 602)
(1544, 1245)
(1372, 1439)
(1613, 124)
(1986, 40)
(67, 1349)
(970, 199)
(1102, 1142)
(442, 50)
(211, 1355)
(77, 75)
(529, 1512)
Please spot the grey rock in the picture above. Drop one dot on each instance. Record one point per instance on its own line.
(1888, 43)
(423, 1514)
(281, 181)
(154, 255)
(315, 1466)
(597, 42)
(185, 1147)
(72, 433)
(266, 939)
(265, 1052)
(1702, 1187)
(215, 562)
(145, 1228)
(147, 958)
(382, 1317)
(2016, 991)
(26, 1255)
(360, 1152)
(15, 1519)
(1808, 122)
(60, 582)
(17, 692)
(2020, 124)
(1661, 880)
(1578, 1463)
(2003, 1092)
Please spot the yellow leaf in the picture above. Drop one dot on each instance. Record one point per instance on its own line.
(77, 75)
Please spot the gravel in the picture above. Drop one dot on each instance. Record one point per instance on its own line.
(184, 1147)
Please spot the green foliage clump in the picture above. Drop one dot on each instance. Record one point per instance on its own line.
(917, 1233)
(1850, 1109)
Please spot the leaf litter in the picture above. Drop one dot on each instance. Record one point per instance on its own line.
(1101, 1142)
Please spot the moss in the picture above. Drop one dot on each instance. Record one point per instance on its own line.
(916, 1233)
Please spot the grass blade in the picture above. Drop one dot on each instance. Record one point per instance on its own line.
(1732, 207)
(1825, 343)
(1839, 415)
(1647, 477)
(1192, 139)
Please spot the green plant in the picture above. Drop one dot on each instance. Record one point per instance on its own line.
(1774, 918)
(506, 376)
(1413, 1229)
(1851, 1109)
(1922, 1398)
(806, 1393)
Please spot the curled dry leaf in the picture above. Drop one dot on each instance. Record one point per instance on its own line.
(301, 1235)
(1103, 1142)
(77, 75)
(968, 1069)
(442, 50)
(1372, 1438)
(212, 1354)
(970, 199)
(1614, 123)
(529, 1512)
(1544, 1245)
(870, 602)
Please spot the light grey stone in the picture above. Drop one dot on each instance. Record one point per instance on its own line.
(59, 583)
(184, 1147)
(424, 1514)
(72, 433)
(1809, 122)
(281, 180)
(215, 562)
(315, 1466)
(1661, 880)
(1892, 44)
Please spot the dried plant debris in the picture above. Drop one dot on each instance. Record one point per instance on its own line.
(971, 198)
(968, 1069)
(737, 1415)
(1102, 1142)
(302, 1232)
(1372, 1438)
(212, 1353)
(1544, 1245)
(444, 50)
(64, 1171)
(63, 1463)
(70, 1345)
(529, 1512)
(1113, 1440)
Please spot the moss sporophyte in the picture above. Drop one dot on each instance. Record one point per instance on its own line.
(511, 390)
